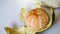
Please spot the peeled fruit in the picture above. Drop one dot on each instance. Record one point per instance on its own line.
(37, 19)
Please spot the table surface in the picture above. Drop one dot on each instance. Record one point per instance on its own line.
(9, 12)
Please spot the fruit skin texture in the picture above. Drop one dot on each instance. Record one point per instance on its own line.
(20, 30)
(11, 31)
(53, 19)
(37, 19)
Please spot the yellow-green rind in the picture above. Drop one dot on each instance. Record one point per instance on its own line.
(22, 14)
(11, 31)
(20, 30)
(52, 18)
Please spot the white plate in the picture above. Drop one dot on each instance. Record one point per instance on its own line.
(9, 12)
